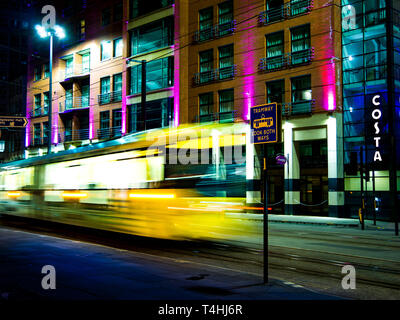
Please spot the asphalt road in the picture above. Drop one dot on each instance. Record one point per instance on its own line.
(299, 255)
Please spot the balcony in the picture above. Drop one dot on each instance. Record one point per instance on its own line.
(79, 102)
(74, 135)
(288, 10)
(215, 32)
(109, 97)
(301, 57)
(298, 108)
(76, 71)
(205, 77)
(222, 117)
(109, 133)
(287, 60)
(273, 63)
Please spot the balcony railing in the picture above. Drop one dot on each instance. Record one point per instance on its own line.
(229, 116)
(298, 108)
(301, 57)
(214, 32)
(75, 103)
(75, 71)
(74, 135)
(109, 97)
(108, 133)
(273, 63)
(214, 75)
(286, 11)
(287, 60)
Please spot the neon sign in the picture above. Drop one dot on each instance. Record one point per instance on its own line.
(376, 116)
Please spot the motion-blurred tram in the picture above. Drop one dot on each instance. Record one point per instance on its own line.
(172, 183)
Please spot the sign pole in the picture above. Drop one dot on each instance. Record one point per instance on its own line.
(265, 212)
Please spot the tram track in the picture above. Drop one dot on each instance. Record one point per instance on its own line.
(370, 271)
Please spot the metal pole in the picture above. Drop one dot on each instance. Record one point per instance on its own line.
(143, 104)
(49, 112)
(265, 211)
(362, 185)
(373, 195)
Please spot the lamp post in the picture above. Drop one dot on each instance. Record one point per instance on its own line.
(44, 33)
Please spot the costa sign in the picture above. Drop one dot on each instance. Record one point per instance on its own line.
(376, 115)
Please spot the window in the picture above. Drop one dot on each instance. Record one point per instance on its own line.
(301, 89)
(117, 48)
(226, 100)
(301, 43)
(105, 47)
(82, 29)
(299, 7)
(104, 124)
(118, 11)
(275, 50)
(105, 16)
(159, 74)
(206, 106)
(206, 24)
(139, 7)
(104, 90)
(276, 91)
(68, 98)
(85, 95)
(152, 36)
(69, 67)
(274, 11)
(45, 132)
(301, 94)
(86, 63)
(117, 86)
(37, 74)
(206, 66)
(46, 70)
(37, 134)
(225, 18)
(38, 102)
(116, 122)
(226, 69)
(45, 102)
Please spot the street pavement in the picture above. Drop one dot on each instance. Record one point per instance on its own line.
(86, 271)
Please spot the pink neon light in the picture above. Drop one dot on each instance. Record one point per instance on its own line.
(176, 66)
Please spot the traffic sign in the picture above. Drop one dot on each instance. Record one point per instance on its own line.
(264, 123)
(13, 122)
(280, 159)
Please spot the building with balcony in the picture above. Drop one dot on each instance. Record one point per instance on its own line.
(244, 54)
(211, 61)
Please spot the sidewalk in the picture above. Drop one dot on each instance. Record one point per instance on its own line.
(90, 272)
(312, 220)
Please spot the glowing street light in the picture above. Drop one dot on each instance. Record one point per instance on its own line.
(44, 33)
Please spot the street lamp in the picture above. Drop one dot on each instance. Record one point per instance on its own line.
(44, 33)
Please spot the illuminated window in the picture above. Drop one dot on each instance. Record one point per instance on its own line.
(226, 100)
(206, 66)
(38, 102)
(152, 36)
(45, 102)
(206, 24)
(225, 18)
(82, 29)
(117, 86)
(37, 134)
(105, 47)
(117, 47)
(45, 132)
(301, 44)
(46, 70)
(206, 105)
(104, 90)
(276, 91)
(225, 57)
(86, 63)
(275, 48)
